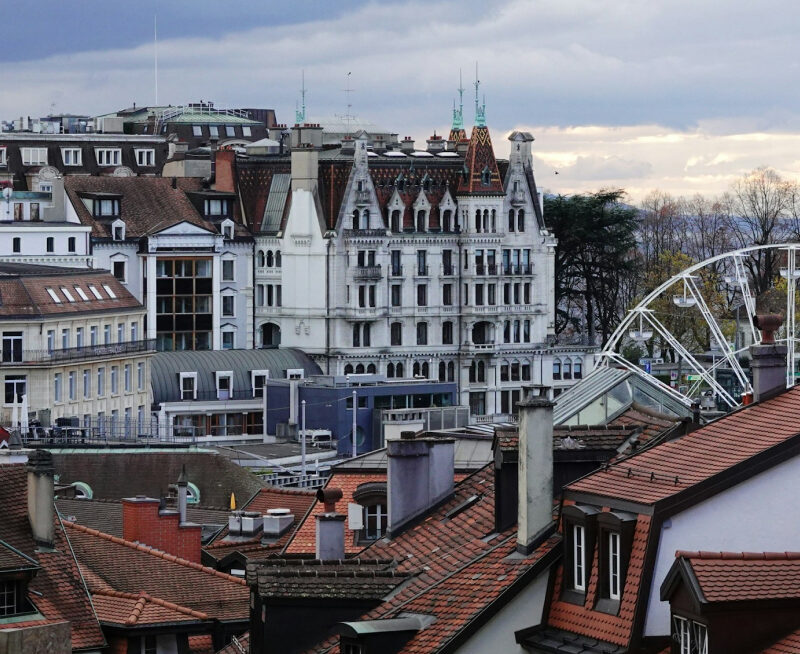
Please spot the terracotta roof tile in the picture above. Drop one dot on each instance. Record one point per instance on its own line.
(201, 645)
(134, 568)
(669, 468)
(132, 609)
(58, 591)
(742, 576)
(789, 644)
(584, 620)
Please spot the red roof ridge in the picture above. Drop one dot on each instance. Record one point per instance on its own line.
(142, 598)
(740, 556)
(289, 491)
(155, 552)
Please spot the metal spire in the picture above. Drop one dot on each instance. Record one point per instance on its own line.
(480, 110)
(300, 116)
(458, 114)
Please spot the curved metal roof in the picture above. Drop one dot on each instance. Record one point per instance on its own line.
(166, 366)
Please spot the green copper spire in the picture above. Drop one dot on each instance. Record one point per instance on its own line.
(480, 110)
(458, 114)
(300, 115)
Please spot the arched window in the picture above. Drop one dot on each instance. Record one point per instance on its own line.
(485, 223)
(277, 258)
(446, 218)
(422, 333)
(511, 221)
(270, 260)
(421, 220)
(348, 369)
(442, 371)
(365, 219)
(356, 335)
(494, 221)
(451, 371)
(366, 334)
(371, 369)
(577, 370)
(360, 369)
(261, 259)
(395, 221)
(556, 368)
(567, 371)
(477, 221)
(415, 369)
(425, 370)
(486, 176)
(398, 370)
(521, 220)
(355, 219)
(390, 369)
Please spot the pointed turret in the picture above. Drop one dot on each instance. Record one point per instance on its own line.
(457, 132)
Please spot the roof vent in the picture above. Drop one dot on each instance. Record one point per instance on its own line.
(245, 523)
(277, 522)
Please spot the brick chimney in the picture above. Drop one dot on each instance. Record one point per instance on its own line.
(768, 360)
(41, 510)
(420, 475)
(330, 527)
(224, 161)
(535, 474)
(143, 521)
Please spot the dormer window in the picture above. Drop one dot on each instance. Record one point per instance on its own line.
(615, 539)
(188, 385)
(118, 231)
(372, 522)
(579, 528)
(217, 207)
(106, 208)
(224, 384)
(3, 159)
(72, 156)
(227, 229)
(486, 176)
(145, 158)
(13, 600)
(108, 156)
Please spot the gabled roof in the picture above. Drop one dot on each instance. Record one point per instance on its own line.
(136, 610)
(57, 591)
(661, 472)
(129, 567)
(479, 160)
(716, 577)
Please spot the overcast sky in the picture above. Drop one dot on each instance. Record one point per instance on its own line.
(680, 95)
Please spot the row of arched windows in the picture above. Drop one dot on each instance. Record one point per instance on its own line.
(566, 368)
(422, 221)
(360, 218)
(268, 259)
(394, 370)
(516, 220)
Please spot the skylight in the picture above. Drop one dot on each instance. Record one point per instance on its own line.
(421, 153)
(111, 293)
(67, 294)
(95, 292)
(82, 294)
(54, 296)
(393, 153)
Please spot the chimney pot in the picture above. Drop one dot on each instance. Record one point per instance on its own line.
(768, 359)
(329, 497)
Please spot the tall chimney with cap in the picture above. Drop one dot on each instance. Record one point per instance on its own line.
(420, 475)
(183, 494)
(768, 359)
(535, 475)
(41, 508)
(330, 526)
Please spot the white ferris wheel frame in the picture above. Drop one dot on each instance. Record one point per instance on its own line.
(646, 319)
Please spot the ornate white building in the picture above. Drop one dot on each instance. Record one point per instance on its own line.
(377, 257)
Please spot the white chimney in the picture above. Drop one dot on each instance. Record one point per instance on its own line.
(183, 495)
(41, 509)
(277, 522)
(330, 527)
(535, 475)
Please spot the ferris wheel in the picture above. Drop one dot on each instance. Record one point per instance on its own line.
(692, 297)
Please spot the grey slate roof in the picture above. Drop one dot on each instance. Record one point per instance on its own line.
(276, 202)
(166, 366)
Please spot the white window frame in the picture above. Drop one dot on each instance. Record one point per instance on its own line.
(118, 224)
(53, 295)
(71, 385)
(197, 130)
(67, 294)
(683, 634)
(193, 377)
(232, 300)
(700, 637)
(57, 387)
(229, 333)
(213, 131)
(81, 293)
(127, 378)
(140, 376)
(232, 261)
(246, 131)
(115, 380)
(614, 565)
(108, 156)
(257, 373)
(227, 229)
(579, 557)
(95, 292)
(74, 155)
(34, 156)
(3, 157)
(224, 374)
(87, 383)
(145, 157)
(108, 290)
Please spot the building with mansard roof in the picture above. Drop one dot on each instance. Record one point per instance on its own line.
(376, 256)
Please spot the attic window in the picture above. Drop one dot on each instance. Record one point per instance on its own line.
(106, 208)
(218, 207)
(81, 293)
(95, 292)
(118, 232)
(67, 294)
(13, 598)
(53, 296)
(111, 293)
(486, 176)
(579, 528)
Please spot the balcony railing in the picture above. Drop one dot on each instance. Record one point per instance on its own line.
(220, 395)
(517, 269)
(372, 233)
(363, 198)
(486, 269)
(367, 272)
(422, 271)
(24, 357)
(396, 271)
(448, 271)
(517, 198)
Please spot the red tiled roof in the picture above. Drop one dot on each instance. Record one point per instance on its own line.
(57, 589)
(201, 645)
(134, 568)
(243, 646)
(463, 566)
(789, 644)
(132, 609)
(742, 576)
(672, 467)
(588, 622)
(480, 156)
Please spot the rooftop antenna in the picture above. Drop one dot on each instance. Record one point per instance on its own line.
(300, 116)
(348, 116)
(155, 52)
(480, 111)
